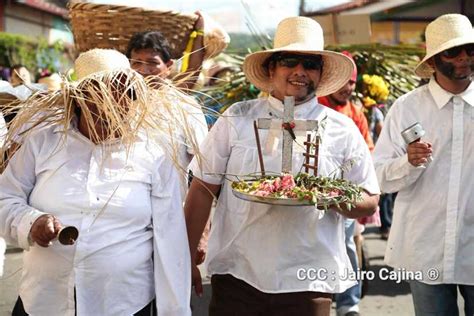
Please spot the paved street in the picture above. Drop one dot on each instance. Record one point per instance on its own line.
(383, 297)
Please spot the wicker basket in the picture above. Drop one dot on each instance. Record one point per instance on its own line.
(112, 26)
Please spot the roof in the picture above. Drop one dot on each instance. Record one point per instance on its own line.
(45, 7)
(340, 7)
(376, 7)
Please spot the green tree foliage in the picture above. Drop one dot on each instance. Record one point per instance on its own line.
(35, 54)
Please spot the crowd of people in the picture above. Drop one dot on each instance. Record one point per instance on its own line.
(124, 155)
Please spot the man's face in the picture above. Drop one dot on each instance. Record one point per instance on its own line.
(148, 62)
(295, 75)
(343, 95)
(456, 64)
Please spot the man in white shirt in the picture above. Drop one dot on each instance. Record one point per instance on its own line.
(258, 253)
(432, 234)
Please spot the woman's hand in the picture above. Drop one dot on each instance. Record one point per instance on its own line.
(45, 229)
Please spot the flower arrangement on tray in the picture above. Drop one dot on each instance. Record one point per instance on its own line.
(302, 189)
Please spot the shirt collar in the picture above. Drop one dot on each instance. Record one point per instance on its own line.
(300, 109)
(442, 97)
(59, 128)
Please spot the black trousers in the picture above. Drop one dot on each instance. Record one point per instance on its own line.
(148, 310)
(234, 297)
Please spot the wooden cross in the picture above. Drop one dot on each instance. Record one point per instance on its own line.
(288, 133)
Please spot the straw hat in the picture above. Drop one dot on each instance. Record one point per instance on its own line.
(98, 61)
(53, 82)
(301, 35)
(447, 31)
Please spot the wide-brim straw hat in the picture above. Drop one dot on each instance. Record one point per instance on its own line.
(303, 36)
(447, 31)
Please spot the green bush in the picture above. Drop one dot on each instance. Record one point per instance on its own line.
(35, 54)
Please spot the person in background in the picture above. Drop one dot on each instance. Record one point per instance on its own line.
(340, 101)
(387, 200)
(432, 232)
(255, 250)
(150, 55)
(92, 165)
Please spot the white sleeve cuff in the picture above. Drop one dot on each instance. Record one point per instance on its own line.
(24, 227)
(401, 168)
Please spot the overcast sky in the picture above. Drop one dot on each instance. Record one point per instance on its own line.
(231, 13)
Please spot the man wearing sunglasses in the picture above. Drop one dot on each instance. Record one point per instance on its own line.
(432, 231)
(262, 258)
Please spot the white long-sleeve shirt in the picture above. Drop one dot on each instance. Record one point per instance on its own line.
(266, 245)
(132, 243)
(434, 213)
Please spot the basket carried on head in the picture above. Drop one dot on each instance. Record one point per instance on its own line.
(112, 26)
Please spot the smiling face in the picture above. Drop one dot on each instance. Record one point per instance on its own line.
(343, 95)
(294, 75)
(149, 62)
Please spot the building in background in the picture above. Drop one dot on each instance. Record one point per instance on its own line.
(385, 22)
(36, 18)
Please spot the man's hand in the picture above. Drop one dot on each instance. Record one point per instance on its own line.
(196, 280)
(45, 229)
(199, 24)
(418, 153)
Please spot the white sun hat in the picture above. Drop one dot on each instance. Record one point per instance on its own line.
(447, 31)
(304, 36)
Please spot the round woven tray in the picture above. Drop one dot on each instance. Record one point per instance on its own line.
(112, 26)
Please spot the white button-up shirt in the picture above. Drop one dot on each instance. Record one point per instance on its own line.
(132, 241)
(433, 215)
(264, 245)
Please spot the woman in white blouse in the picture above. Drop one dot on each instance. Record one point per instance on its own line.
(93, 165)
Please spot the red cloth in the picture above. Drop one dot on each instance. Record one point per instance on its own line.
(354, 73)
(351, 110)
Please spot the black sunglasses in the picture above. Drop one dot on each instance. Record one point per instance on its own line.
(456, 51)
(308, 62)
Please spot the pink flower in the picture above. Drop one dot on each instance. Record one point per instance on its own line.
(262, 193)
(276, 184)
(287, 182)
(265, 186)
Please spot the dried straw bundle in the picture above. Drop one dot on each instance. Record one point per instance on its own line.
(116, 105)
